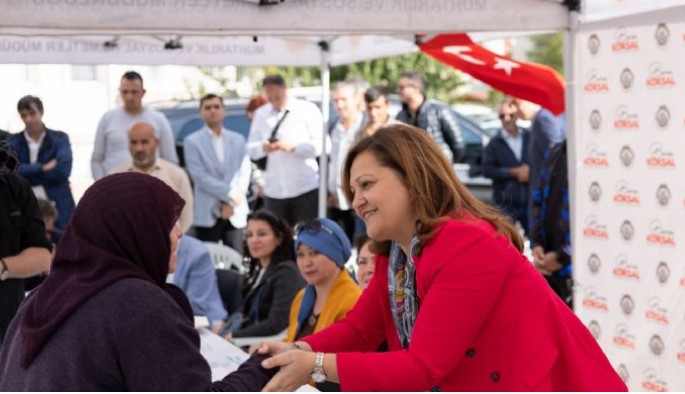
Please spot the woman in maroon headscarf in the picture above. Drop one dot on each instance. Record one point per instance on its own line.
(105, 319)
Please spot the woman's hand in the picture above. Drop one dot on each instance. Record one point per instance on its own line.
(296, 368)
(278, 347)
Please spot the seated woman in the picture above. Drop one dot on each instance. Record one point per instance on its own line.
(322, 250)
(104, 319)
(366, 261)
(273, 279)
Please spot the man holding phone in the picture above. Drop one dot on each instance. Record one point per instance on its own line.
(287, 132)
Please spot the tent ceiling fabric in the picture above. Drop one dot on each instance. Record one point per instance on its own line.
(292, 17)
(199, 50)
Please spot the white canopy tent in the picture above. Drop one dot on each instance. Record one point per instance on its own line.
(295, 32)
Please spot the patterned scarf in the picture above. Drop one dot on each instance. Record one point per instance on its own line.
(404, 302)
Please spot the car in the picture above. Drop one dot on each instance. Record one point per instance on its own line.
(185, 120)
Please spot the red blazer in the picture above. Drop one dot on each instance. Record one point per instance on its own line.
(487, 322)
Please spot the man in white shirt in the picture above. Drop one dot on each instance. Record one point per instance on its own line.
(343, 135)
(111, 140)
(218, 164)
(291, 176)
(143, 144)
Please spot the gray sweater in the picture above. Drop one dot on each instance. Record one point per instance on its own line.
(131, 336)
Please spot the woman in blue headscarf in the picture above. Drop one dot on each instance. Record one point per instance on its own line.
(322, 249)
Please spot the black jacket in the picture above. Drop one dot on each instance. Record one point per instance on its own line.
(266, 309)
(498, 159)
(442, 124)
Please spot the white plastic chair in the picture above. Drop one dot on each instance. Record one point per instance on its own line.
(225, 257)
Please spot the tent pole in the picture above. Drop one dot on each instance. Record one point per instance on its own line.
(572, 135)
(325, 98)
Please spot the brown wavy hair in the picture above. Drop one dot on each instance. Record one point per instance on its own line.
(435, 191)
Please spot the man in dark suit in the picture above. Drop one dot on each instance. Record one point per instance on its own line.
(546, 130)
(45, 159)
(506, 162)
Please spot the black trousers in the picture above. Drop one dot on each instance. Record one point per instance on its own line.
(346, 220)
(222, 231)
(295, 209)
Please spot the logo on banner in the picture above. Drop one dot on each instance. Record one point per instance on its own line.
(593, 44)
(594, 263)
(656, 345)
(624, 41)
(663, 272)
(595, 119)
(595, 230)
(595, 83)
(593, 300)
(595, 192)
(662, 34)
(622, 371)
(625, 195)
(663, 116)
(627, 230)
(659, 157)
(623, 269)
(627, 78)
(626, 120)
(659, 76)
(652, 382)
(660, 236)
(663, 194)
(627, 156)
(656, 313)
(623, 338)
(627, 304)
(595, 329)
(681, 352)
(595, 157)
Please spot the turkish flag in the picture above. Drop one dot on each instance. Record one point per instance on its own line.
(530, 81)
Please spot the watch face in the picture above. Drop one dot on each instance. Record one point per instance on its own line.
(318, 377)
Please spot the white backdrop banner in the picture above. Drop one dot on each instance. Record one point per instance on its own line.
(629, 202)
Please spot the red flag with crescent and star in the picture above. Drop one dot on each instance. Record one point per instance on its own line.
(530, 81)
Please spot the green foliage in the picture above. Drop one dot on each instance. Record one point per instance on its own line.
(548, 49)
(441, 80)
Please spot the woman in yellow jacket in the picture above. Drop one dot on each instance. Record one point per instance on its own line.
(322, 248)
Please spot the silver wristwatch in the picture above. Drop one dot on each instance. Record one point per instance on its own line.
(318, 374)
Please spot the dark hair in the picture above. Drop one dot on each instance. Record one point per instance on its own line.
(416, 77)
(373, 94)
(211, 96)
(436, 192)
(285, 251)
(47, 210)
(360, 241)
(255, 102)
(273, 79)
(133, 76)
(25, 102)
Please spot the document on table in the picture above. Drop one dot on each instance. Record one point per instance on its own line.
(224, 357)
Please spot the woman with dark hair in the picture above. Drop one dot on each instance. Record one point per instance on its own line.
(366, 261)
(459, 305)
(272, 280)
(105, 319)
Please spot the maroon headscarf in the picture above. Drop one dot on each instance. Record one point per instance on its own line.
(120, 229)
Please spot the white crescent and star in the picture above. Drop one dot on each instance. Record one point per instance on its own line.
(460, 51)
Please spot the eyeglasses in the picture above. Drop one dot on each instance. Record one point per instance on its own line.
(505, 116)
(312, 226)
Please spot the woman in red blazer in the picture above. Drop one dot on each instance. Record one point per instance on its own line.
(465, 311)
